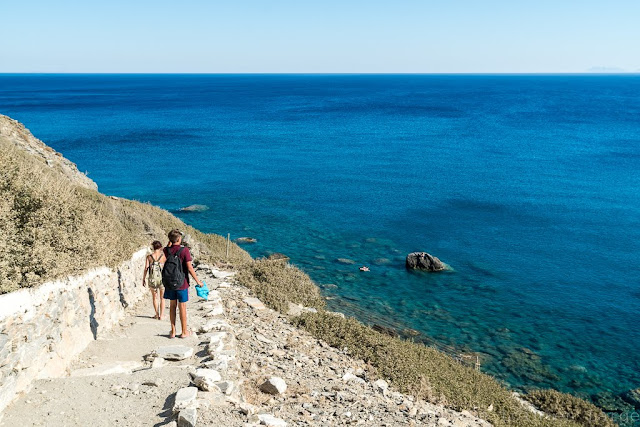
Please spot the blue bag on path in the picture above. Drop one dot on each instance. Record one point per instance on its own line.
(203, 291)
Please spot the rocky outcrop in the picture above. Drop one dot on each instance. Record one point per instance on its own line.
(243, 240)
(424, 262)
(16, 133)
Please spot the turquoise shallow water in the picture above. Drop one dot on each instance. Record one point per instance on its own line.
(527, 186)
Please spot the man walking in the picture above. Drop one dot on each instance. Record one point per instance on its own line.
(177, 265)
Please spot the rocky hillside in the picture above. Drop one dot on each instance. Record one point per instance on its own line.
(60, 224)
(16, 133)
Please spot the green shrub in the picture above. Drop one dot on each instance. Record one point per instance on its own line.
(277, 283)
(564, 405)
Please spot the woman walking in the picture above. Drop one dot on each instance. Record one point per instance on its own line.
(153, 267)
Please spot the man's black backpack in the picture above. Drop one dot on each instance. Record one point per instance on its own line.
(172, 272)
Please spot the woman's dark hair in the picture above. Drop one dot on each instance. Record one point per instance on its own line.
(156, 245)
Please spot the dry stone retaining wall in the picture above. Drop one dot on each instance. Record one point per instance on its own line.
(42, 329)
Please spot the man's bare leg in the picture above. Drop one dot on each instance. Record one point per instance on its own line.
(183, 319)
(172, 316)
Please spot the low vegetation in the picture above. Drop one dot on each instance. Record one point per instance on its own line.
(53, 228)
(567, 406)
(277, 283)
(412, 368)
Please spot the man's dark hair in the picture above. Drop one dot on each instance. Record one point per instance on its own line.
(156, 245)
(174, 236)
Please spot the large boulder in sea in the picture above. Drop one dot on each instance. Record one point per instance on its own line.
(424, 262)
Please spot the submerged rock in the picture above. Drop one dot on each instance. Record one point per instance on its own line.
(194, 208)
(345, 261)
(632, 397)
(245, 240)
(424, 261)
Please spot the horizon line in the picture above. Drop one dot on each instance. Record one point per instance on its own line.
(581, 73)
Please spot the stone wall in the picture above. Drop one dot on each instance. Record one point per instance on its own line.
(44, 328)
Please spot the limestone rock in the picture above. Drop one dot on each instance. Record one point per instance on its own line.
(297, 309)
(225, 387)
(271, 421)
(215, 311)
(214, 325)
(188, 417)
(205, 379)
(174, 352)
(349, 377)
(381, 385)
(274, 385)
(185, 398)
(255, 303)
(158, 362)
(424, 261)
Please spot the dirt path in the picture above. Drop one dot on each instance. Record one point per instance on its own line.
(121, 380)
(138, 396)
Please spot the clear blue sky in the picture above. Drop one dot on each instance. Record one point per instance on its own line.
(265, 36)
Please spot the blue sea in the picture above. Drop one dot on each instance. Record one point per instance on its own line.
(527, 186)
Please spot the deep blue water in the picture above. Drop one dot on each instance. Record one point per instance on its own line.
(528, 186)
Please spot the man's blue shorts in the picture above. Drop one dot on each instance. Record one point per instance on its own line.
(181, 296)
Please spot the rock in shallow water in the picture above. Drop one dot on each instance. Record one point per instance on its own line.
(424, 262)
(194, 208)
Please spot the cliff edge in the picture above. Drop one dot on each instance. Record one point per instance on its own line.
(16, 133)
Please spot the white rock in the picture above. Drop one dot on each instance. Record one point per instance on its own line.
(108, 369)
(225, 387)
(247, 408)
(216, 337)
(188, 417)
(274, 385)
(218, 274)
(185, 398)
(214, 325)
(158, 362)
(205, 379)
(381, 385)
(175, 352)
(223, 285)
(298, 309)
(349, 377)
(271, 421)
(215, 311)
(215, 348)
(255, 303)
(218, 365)
(263, 339)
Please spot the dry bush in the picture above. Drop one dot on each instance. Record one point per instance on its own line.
(407, 365)
(277, 283)
(564, 405)
(54, 228)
